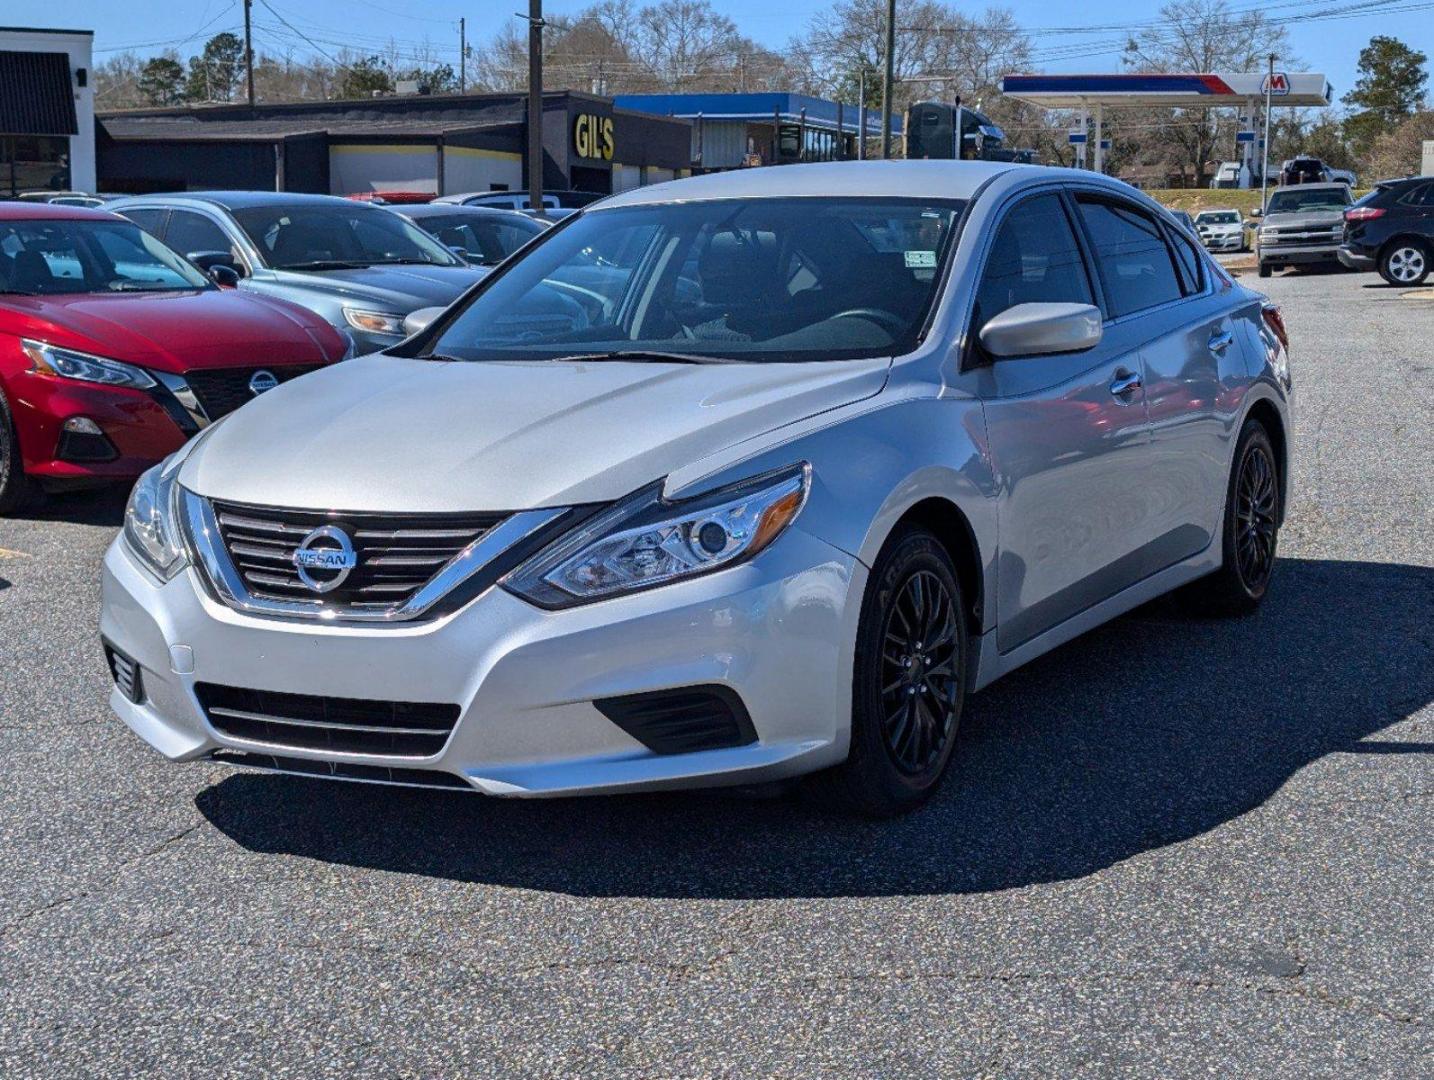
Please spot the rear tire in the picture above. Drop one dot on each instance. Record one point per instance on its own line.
(1250, 532)
(17, 491)
(909, 682)
(1265, 270)
(1405, 263)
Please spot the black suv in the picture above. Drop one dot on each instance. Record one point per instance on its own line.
(1392, 230)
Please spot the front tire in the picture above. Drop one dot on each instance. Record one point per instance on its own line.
(1250, 532)
(1405, 263)
(1265, 270)
(909, 683)
(17, 491)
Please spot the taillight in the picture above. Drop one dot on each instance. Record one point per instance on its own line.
(1275, 320)
(1363, 213)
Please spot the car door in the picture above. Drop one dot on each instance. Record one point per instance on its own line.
(1067, 433)
(1193, 349)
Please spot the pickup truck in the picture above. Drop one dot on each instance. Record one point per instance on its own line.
(1302, 225)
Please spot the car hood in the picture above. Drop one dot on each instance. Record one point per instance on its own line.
(1225, 227)
(396, 435)
(388, 288)
(176, 331)
(1304, 218)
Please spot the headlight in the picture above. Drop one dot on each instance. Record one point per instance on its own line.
(150, 521)
(375, 322)
(645, 541)
(68, 364)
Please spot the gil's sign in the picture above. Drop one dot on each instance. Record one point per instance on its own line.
(592, 136)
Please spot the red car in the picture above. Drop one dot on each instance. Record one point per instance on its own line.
(114, 350)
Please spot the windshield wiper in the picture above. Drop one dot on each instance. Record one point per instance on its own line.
(647, 356)
(407, 262)
(324, 264)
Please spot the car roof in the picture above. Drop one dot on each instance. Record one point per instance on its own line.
(1311, 187)
(910, 179)
(1230, 209)
(240, 200)
(43, 211)
(452, 209)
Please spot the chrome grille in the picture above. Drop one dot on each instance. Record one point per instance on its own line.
(341, 725)
(396, 555)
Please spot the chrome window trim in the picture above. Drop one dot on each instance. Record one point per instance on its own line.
(201, 530)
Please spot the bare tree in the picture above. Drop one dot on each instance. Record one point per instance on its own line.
(1200, 36)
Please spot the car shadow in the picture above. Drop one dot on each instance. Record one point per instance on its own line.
(92, 506)
(1144, 733)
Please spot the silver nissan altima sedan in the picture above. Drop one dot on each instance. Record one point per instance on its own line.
(726, 480)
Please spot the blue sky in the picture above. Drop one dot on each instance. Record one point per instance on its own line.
(1331, 45)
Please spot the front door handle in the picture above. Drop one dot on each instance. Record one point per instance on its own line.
(1221, 341)
(1125, 383)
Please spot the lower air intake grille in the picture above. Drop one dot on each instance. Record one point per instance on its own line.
(682, 721)
(222, 390)
(126, 674)
(337, 770)
(341, 725)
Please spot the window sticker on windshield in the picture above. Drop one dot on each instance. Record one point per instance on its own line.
(920, 259)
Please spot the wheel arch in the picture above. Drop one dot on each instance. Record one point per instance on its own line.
(945, 520)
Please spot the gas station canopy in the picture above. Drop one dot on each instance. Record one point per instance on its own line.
(1146, 89)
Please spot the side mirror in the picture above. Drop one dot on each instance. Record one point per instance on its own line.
(226, 277)
(421, 319)
(1257, 212)
(1041, 329)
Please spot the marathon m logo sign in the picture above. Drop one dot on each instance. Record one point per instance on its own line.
(1276, 84)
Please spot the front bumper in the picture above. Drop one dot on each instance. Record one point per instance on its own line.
(1355, 260)
(779, 632)
(1299, 254)
(1233, 242)
(139, 429)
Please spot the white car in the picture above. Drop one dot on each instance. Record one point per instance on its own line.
(726, 480)
(1221, 230)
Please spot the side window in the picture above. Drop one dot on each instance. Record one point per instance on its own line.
(189, 232)
(1034, 259)
(146, 218)
(1421, 196)
(1188, 261)
(1135, 265)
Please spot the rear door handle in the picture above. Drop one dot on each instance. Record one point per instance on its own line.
(1125, 382)
(1221, 341)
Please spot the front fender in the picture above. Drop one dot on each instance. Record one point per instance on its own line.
(871, 463)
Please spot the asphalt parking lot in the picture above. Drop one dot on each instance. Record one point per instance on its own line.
(1175, 847)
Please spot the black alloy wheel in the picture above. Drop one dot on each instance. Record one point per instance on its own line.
(1249, 533)
(1256, 523)
(920, 685)
(908, 681)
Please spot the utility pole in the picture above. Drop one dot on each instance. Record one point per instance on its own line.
(861, 114)
(887, 78)
(535, 105)
(249, 52)
(462, 54)
(1265, 163)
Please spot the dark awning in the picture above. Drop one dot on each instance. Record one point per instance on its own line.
(35, 94)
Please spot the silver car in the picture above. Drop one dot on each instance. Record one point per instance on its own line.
(731, 479)
(361, 267)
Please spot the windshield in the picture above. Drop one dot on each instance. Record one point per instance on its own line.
(487, 239)
(42, 258)
(1219, 217)
(757, 280)
(1303, 200)
(338, 237)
